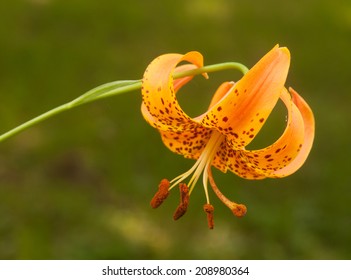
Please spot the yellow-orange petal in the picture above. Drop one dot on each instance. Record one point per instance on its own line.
(160, 107)
(236, 161)
(222, 90)
(278, 155)
(309, 130)
(243, 110)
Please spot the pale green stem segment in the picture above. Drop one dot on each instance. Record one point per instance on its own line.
(115, 88)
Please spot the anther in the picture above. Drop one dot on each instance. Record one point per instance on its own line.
(208, 208)
(161, 194)
(184, 202)
(239, 210)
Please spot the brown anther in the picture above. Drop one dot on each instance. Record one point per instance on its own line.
(184, 202)
(179, 212)
(208, 208)
(161, 194)
(239, 210)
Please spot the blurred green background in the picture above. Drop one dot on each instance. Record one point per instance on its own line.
(78, 186)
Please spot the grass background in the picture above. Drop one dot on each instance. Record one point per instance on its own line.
(78, 186)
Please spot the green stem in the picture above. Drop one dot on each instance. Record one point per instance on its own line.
(34, 121)
(213, 68)
(115, 88)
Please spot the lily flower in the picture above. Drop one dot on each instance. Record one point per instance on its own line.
(219, 136)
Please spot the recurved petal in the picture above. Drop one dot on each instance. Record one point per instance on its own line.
(160, 107)
(243, 110)
(309, 130)
(274, 161)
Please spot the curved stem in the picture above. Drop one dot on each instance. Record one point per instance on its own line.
(213, 68)
(115, 88)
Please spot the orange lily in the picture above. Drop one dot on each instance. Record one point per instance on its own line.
(235, 115)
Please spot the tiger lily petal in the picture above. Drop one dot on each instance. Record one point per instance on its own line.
(235, 115)
(160, 107)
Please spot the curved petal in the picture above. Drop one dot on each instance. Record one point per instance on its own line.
(271, 161)
(243, 110)
(160, 107)
(309, 130)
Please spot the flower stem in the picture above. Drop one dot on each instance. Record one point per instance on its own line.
(115, 88)
(213, 68)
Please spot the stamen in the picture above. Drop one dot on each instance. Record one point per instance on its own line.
(184, 202)
(200, 164)
(204, 182)
(208, 208)
(186, 174)
(161, 194)
(238, 210)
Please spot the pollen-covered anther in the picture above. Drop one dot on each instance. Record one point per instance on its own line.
(239, 210)
(209, 209)
(161, 194)
(184, 202)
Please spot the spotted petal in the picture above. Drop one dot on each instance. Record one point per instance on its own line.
(288, 153)
(160, 107)
(190, 143)
(243, 110)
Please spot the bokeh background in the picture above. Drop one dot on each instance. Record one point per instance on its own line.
(78, 186)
